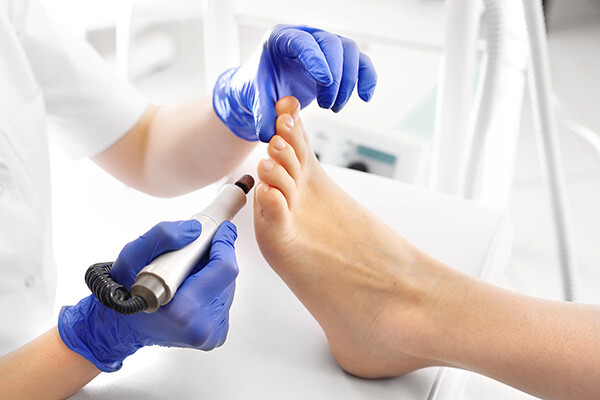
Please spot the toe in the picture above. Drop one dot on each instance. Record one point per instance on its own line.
(288, 105)
(269, 203)
(283, 154)
(276, 176)
(292, 132)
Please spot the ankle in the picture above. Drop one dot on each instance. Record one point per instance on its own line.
(417, 313)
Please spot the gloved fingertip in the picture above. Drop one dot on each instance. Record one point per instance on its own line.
(264, 121)
(318, 68)
(224, 240)
(265, 135)
(224, 328)
(172, 235)
(196, 225)
(189, 229)
(339, 105)
(367, 78)
(370, 94)
(367, 95)
(324, 78)
(191, 225)
(231, 227)
(324, 102)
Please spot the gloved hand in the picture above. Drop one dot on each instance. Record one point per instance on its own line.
(297, 61)
(197, 317)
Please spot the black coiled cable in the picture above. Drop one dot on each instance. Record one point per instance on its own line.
(110, 293)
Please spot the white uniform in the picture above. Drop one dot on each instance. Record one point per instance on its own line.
(49, 82)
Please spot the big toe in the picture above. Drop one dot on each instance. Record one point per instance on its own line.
(288, 105)
(293, 132)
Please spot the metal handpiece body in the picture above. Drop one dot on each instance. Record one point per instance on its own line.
(159, 280)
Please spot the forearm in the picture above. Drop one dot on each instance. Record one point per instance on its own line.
(44, 369)
(175, 149)
(547, 348)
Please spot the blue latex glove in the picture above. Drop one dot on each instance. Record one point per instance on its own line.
(197, 317)
(297, 61)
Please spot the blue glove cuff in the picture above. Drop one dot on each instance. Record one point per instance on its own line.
(77, 329)
(230, 109)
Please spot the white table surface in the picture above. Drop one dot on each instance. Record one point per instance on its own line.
(275, 348)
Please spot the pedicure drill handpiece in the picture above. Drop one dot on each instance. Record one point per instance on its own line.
(159, 280)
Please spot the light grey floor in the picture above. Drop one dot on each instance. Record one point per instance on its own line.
(534, 268)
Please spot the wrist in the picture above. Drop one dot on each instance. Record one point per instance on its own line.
(93, 331)
(230, 108)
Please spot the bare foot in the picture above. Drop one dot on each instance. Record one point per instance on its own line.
(358, 278)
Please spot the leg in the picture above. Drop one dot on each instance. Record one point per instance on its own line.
(388, 309)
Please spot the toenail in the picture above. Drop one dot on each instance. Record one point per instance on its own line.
(280, 144)
(268, 165)
(289, 121)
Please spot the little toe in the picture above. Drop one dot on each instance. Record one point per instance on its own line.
(276, 176)
(269, 203)
(283, 154)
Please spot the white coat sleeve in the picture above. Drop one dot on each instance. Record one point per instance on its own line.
(89, 108)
